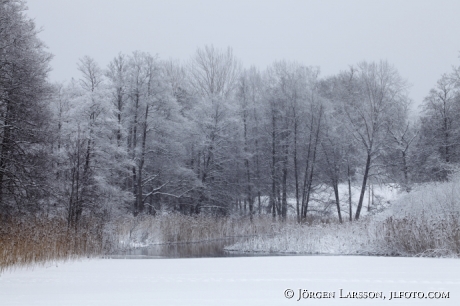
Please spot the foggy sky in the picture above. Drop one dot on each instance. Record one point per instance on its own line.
(420, 38)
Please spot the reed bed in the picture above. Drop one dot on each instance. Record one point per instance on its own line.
(37, 240)
(177, 228)
(423, 223)
(34, 240)
(423, 236)
(426, 222)
(360, 238)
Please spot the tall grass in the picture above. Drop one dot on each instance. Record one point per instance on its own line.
(319, 238)
(425, 222)
(36, 240)
(177, 228)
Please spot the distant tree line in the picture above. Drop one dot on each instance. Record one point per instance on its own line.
(208, 136)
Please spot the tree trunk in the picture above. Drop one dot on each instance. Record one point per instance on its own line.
(134, 146)
(307, 167)
(296, 172)
(284, 194)
(119, 109)
(259, 204)
(284, 182)
(273, 195)
(405, 170)
(257, 162)
(246, 163)
(446, 139)
(337, 200)
(363, 187)
(349, 193)
(369, 198)
(306, 191)
(139, 197)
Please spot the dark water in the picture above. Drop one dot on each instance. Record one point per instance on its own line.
(213, 248)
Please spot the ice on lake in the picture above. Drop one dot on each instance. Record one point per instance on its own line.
(230, 281)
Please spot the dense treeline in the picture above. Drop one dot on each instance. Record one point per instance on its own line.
(24, 113)
(207, 136)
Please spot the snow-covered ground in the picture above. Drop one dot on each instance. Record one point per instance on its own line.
(323, 200)
(230, 281)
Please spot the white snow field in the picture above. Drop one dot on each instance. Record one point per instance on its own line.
(234, 281)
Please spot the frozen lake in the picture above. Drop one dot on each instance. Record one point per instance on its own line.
(204, 249)
(181, 250)
(232, 281)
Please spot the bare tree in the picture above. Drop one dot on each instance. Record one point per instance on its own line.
(249, 102)
(214, 73)
(117, 74)
(440, 129)
(374, 92)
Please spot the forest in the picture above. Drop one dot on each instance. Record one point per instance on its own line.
(205, 141)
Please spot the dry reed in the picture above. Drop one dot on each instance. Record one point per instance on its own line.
(35, 240)
(177, 228)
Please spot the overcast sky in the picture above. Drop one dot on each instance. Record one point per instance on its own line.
(420, 38)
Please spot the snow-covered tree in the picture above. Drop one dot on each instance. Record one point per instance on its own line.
(374, 93)
(89, 160)
(24, 66)
(440, 129)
